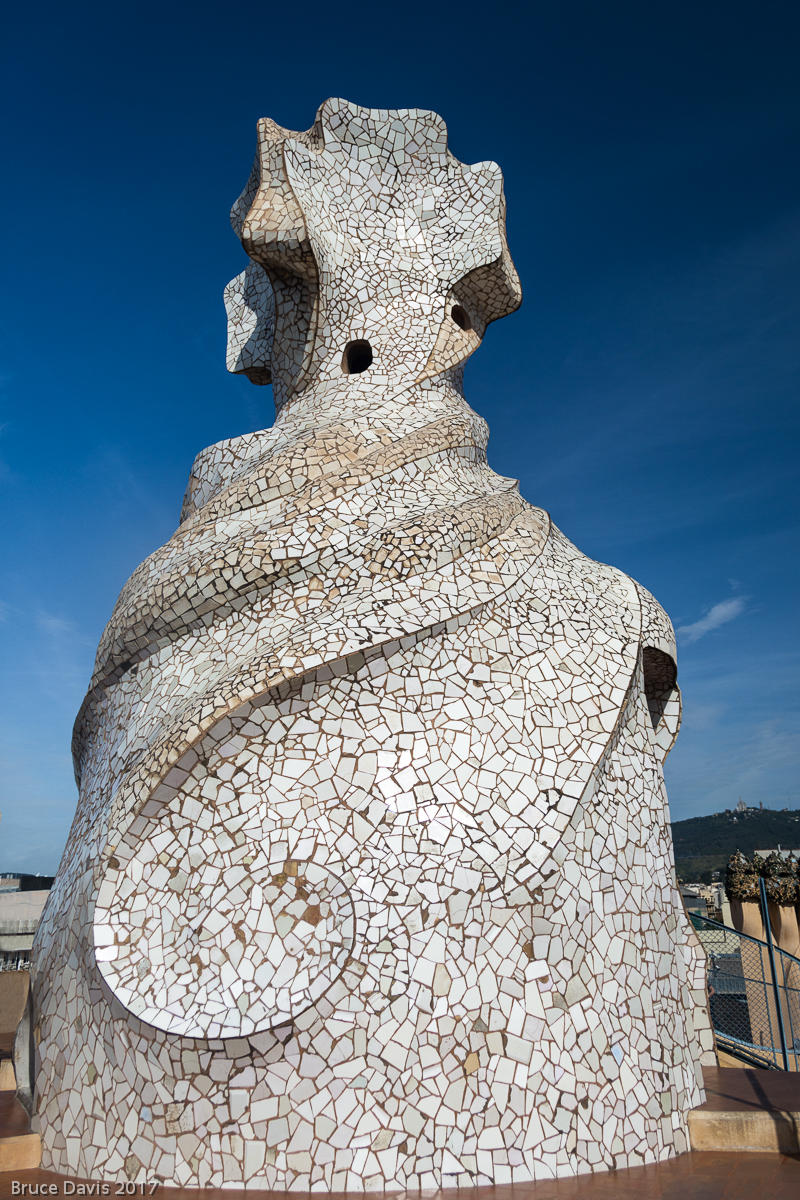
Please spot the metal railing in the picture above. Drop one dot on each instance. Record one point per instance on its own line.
(754, 995)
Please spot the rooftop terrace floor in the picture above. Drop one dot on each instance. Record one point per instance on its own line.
(714, 1175)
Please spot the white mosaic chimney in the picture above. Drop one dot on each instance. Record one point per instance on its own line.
(370, 883)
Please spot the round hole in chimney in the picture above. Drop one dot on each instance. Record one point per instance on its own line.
(461, 317)
(357, 357)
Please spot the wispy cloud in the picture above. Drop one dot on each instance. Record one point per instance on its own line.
(719, 614)
(65, 655)
(127, 486)
(54, 626)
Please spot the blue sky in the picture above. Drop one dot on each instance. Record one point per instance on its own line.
(645, 394)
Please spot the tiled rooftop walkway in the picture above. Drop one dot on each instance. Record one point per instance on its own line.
(737, 1088)
(705, 1176)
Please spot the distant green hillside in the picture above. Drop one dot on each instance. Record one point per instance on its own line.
(704, 844)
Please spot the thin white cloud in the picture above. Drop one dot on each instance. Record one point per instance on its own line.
(54, 626)
(720, 614)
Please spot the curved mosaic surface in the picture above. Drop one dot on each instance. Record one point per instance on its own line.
(370, 882)
(291, 928)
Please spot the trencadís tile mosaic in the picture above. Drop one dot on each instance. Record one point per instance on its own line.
(370, 882)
